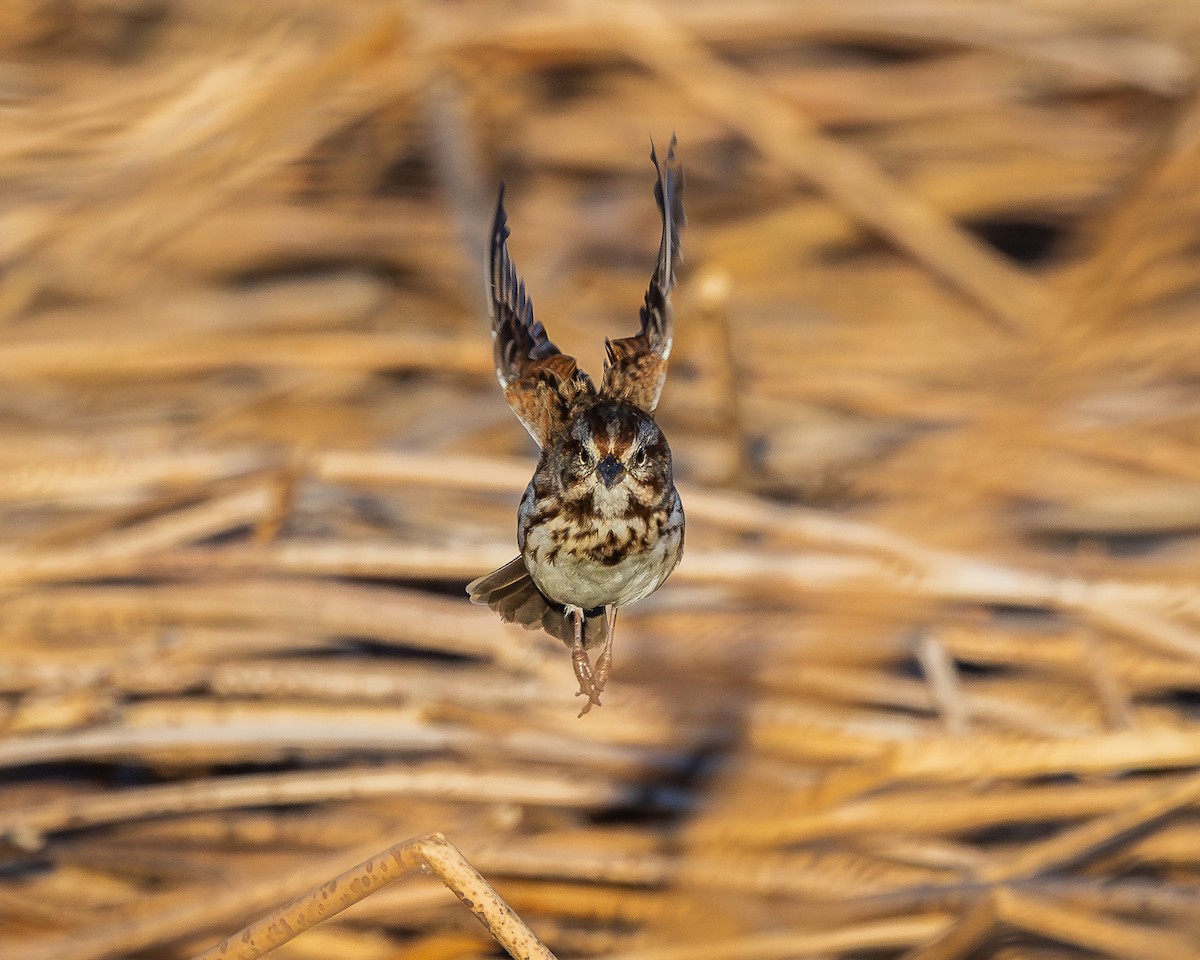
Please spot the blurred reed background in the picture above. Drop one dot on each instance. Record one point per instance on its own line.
(926, 683)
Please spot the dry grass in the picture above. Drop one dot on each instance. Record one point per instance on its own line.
(925, 685)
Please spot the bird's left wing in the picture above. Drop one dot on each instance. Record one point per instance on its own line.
(637, 366)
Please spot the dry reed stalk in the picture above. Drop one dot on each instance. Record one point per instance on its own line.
(190, 734)
(916, 808)
(1084, 840)
(433, 854)
(901, 932)
(1088, 930)
(961, 937)
(174, 916)
(520, 786)
(1076, 39)
(337, 352)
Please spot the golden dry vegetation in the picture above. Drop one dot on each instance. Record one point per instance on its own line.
(926, 683)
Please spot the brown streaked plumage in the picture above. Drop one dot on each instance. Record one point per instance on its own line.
(601, 525)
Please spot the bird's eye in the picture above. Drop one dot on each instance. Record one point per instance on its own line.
(582, 458)
(640, 457)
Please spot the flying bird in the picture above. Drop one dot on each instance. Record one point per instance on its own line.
(601, 524)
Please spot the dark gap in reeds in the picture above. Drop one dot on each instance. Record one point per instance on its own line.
(1022, 240)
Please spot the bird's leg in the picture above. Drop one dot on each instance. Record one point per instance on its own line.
(604, 661)
(583, 667)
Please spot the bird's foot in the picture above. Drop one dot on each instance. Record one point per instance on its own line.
(583, 673)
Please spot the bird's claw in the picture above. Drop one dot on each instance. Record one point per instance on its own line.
(593, 696)
(583, 673)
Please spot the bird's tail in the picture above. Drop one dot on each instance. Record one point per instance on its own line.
(512, 593)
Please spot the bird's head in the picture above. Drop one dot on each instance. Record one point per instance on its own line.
(614, 454)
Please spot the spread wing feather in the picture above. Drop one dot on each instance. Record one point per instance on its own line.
(539, 380)
(637, 366)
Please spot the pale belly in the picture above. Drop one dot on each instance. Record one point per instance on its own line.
(579, 581)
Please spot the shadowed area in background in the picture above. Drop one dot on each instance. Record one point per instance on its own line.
(925, 684)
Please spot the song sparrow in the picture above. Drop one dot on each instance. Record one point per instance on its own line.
(601, 524)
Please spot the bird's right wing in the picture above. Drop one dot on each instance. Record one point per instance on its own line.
(539, 380)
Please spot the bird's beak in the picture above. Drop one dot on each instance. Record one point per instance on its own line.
(610, 470)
